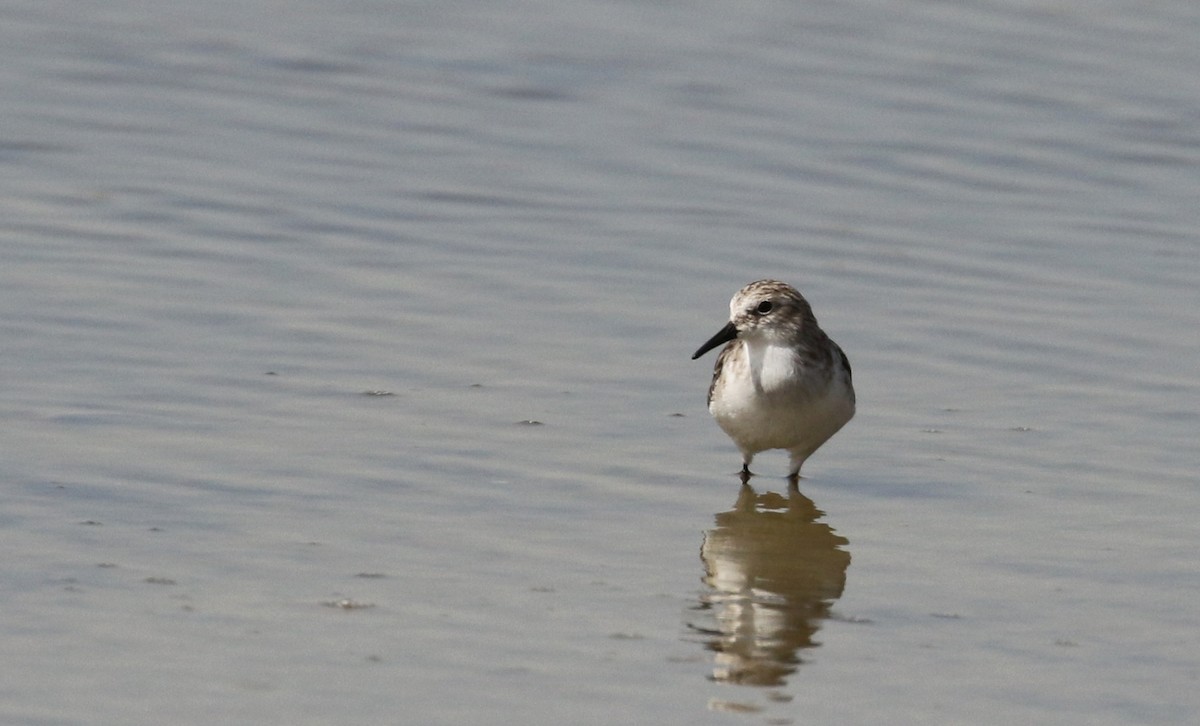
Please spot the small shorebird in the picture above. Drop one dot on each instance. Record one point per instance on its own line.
(780, 382)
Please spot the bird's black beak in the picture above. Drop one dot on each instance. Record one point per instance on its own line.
(724, 335)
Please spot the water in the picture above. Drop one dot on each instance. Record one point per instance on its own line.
(346, 362)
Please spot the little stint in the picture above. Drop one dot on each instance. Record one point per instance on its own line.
(780, 382)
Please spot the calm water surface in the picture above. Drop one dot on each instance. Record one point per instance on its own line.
(347, 379)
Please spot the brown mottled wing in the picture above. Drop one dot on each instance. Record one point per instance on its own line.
(845, 361)
(717, 368)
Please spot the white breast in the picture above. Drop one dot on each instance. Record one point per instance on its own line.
(769, 400)
(773, 367)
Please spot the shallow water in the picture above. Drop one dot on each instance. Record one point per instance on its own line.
(346, 361)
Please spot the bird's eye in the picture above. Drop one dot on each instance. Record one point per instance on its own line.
(764, 307)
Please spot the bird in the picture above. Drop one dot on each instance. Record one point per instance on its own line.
(780, 382)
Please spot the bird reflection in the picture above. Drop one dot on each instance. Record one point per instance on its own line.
(773, 572)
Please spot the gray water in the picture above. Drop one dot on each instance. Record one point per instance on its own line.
(346, 367)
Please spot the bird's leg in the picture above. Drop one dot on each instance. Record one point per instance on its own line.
(797, 461)
(746, 474)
